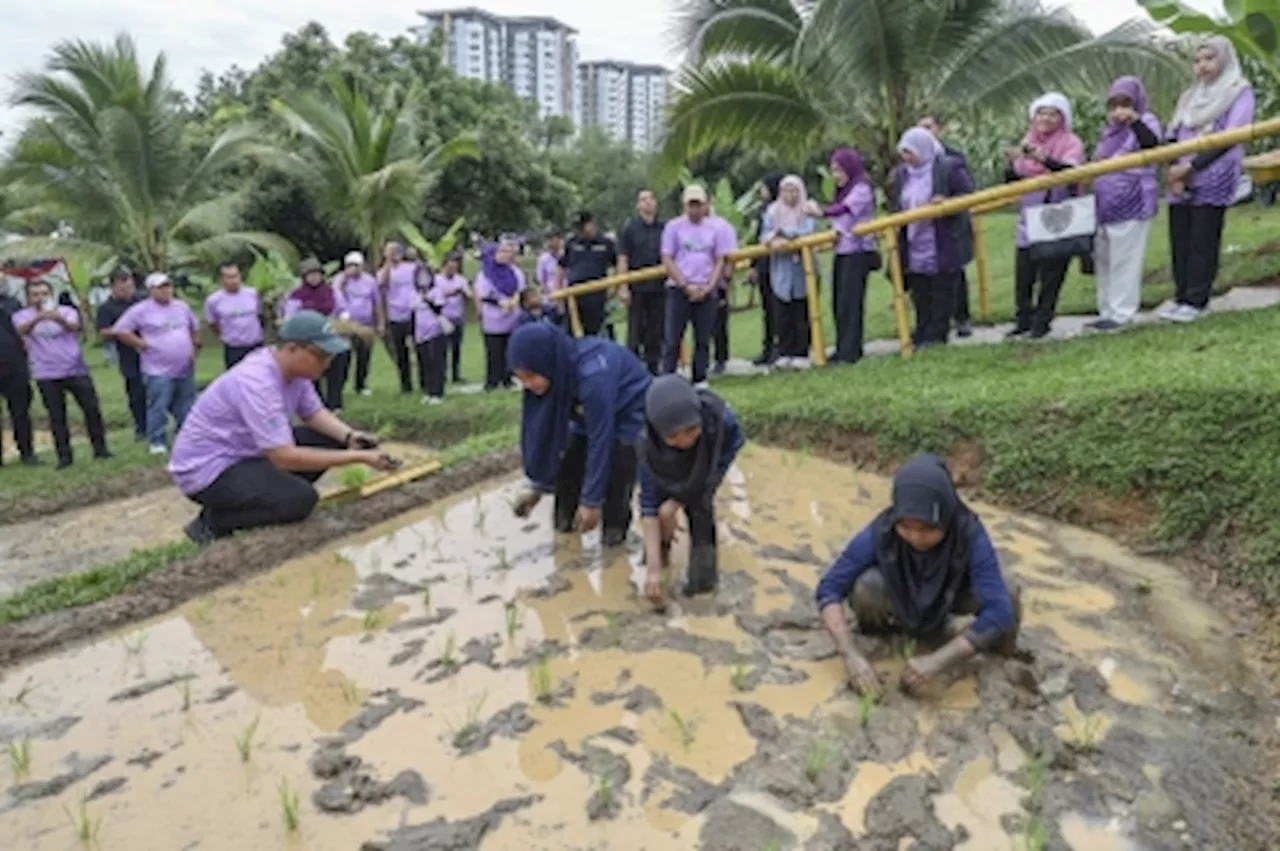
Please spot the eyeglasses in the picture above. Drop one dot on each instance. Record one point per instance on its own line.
(321, 355)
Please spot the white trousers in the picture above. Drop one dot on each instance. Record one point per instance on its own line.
(1119, 251)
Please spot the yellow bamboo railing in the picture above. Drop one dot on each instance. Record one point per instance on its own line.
(886, 227)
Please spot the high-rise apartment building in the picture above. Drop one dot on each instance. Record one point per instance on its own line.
(624, 99)
(534, 57)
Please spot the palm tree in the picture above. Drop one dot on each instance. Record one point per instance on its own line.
(105, 156)
(790, 75)
(366, 167)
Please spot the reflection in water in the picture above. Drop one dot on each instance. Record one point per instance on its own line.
(467, 610)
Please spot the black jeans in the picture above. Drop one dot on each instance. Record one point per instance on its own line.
(455, 351)
(849, 302)
(136, 389)
(232, 355)
(616, 511)
(1036, 314)
(645, 318)
(961, 308)
(431, 366)
(769, 309)
(592, 309)
(679, 313)
(330, 385)
(53, 393)
(1195, 241)
(15, 389)
(720, 335)
(399, 341)
(932, 296)
(255, 493)
(495, 361)
(793, 328)
(362, 351)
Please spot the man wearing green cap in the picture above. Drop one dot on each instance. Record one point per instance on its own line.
(239, 455)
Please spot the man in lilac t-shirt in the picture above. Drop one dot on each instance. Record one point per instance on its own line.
(364, 306)
(240, 457)
(234, 314)
(58, 367)
(167, 335)
(693, 250)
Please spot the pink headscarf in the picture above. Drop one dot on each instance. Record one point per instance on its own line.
(1061, 145)
(784, 216)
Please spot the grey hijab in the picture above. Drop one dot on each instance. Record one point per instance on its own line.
(669, 406)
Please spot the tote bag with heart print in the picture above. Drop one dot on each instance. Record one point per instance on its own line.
(1063, 230)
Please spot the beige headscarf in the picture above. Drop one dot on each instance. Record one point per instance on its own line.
(1204, 103)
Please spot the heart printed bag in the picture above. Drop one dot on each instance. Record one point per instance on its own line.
(1062, 230)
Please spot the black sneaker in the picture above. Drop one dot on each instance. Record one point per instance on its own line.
(964, 329)
(30, 461)
(1105, 325)
(1017, 333)
(613, 537)
(765, 359)
(718, 369)
(199, 531)
(1039, 333)
(104, 455)
(64, 463)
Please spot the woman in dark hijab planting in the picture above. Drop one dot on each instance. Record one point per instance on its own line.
(583, 411)
(924, 560)
(689, 440)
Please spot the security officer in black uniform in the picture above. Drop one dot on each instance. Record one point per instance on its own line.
(639, 247)
(15, 380)
(588, 256)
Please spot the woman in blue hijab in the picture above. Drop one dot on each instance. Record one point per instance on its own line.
(583, 411)
(923, 561)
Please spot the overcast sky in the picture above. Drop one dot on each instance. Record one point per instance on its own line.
(216, 35)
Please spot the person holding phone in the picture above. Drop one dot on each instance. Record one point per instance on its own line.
(238, 455)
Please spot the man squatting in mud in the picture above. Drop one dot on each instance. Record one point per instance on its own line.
(918, 568)
(238, 455)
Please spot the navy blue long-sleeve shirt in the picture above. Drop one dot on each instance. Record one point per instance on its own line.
(995, 611)
(651, 494)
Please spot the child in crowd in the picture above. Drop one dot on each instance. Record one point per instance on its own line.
(534, 309)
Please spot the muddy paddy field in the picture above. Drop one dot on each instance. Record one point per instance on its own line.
(457, 679)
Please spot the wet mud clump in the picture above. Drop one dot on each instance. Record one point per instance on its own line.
(445, 835)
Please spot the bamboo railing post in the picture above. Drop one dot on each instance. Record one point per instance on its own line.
(984, 267)
(899, 292)
(575, 317)
(819, 346)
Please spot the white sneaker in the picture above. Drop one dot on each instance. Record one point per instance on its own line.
(783, 363)
(366, 392)
(433, 400)
(800, 363)
(158, 449)
(702, 385)
(1187, 313)
(1168, 310)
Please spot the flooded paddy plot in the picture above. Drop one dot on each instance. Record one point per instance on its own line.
(460, 679)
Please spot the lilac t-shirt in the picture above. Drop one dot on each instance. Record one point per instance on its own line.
(54, 351)
(455, 291)
(426, 322)
(167, 330)
(697, 247)
(857, 207)
(244, 413)
(1216, 186)
(361, 294)
(402, 291)
(1132, 194)
(493, 319)
(547, 272)
(236, 315)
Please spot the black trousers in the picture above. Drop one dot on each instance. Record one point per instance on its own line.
(431, 366)
(399, 341)
(330, 385)
(849, 302)
(362, 351)
(961, 312)
(495, 361)
(793, 328)
(592, 308)
(136, 389)
(53, 393)
(720, 334)
(932, 296)
(232, 355)
(616, 511)
(645, 317)
(256, 493)
(455, 351)
(1036, 313)
(15, 389)
(700, 511)
(680, 312)
(1195, 241)
(769, 309)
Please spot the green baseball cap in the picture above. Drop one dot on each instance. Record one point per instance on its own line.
(309, 327)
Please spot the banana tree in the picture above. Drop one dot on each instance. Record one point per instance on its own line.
(1253, 26)
(434, 252)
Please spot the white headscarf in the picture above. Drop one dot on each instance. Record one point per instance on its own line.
(923, 144)
(784, 216)
(1052, 100)
(1204, 103)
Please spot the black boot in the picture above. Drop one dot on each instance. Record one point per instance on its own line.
(702, 575)
(614, 537)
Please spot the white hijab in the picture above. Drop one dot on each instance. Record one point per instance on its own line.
(1052, 100)
(1204, 103)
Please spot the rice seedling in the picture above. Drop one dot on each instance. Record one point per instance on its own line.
(866, 708)
(350, 692)
(86, 826)
(907, 649)
(816, 760)
(372, 620)
(604, 791)
(20, 698)
(245, 741)
(470, 581)
(771, 845)
(135, 644)
(1035, 836)
(289, 803)
(1034, 773)
(356, 476)
(472, 724)
(540, 678)
(19, 758)
(684, 728)
(738, 677)
(503, 564)
(426, 597)
(184, 691)
(478, 511)
(449, 652)
(513, 620)
(1086, 731)
(1144, 587)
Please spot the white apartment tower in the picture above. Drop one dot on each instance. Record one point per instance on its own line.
(534, 57)
(624, 99)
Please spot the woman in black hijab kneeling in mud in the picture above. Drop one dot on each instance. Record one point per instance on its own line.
(925, 560)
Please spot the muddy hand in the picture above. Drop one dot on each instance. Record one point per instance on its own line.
(918, 674)
(653, 588)
(525, 503)
(862, 677)
(588, 518)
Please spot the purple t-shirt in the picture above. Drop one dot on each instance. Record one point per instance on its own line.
(402, 291)
(1132, 194)
(54, 351)
(455, 291)
(426, 322)
(361, 294)
(1216, 186)
(493, 319)
(547, 272)
(857, 207)
(697, 247)
(167, 330)
(236, 315)
(244, 413)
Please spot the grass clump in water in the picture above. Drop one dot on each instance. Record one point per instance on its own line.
(86, 827)
(540, 679)
(817, 760)
(739, 677)
(866, 708)
(1035, 833)
(684, 729)
(289, 804)
(513, 620)
(245, 741)
(612, 629)
(372, 620)
(449, 651)
(19, 758)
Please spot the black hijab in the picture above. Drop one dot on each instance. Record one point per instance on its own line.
(670, 405)
(922, 586)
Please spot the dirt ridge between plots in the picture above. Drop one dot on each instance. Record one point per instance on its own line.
(237, 558)
(126, 484)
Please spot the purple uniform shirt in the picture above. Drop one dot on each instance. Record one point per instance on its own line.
(426, 322)
(1216, 186)
(857, 207)
(167, 330)
(696, 247)
(244, 413)
(402, 291)
(54, 351)
(455, 291)
(236, 315)
(361, 294)
(922, 237)
(493, 319)
(1132, 194)
(547, 272)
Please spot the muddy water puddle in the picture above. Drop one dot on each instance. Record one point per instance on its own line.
(460, 679)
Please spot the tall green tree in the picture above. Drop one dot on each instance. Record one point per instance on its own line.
(790, 76)
(105, 155)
